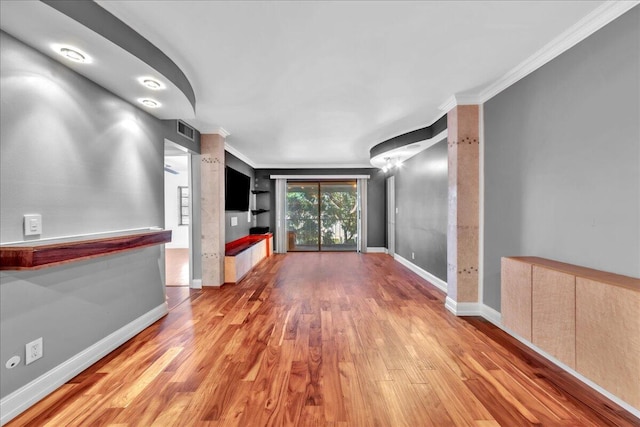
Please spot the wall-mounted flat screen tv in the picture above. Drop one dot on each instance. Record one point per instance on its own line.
(237, 190)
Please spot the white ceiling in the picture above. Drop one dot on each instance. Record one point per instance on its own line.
(312, 84)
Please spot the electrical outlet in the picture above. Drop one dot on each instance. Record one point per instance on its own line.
(33, 351)
(413, 256)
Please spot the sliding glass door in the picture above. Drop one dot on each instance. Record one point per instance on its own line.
(322, 216)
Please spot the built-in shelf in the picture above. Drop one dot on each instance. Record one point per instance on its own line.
(44, 253)
(259, 211)
(259, 191)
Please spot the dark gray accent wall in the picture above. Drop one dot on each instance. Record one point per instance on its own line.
(245, 219)
(375, 197)
(562, 160)
(421, 187)
(88, 162)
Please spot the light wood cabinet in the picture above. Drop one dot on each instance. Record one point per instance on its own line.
(587, 319)
(553, 321)
(608, 337)
(516, 296)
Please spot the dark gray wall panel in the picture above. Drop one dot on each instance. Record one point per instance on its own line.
(375, 197)
(245, 221)
(421, 199)
(562, 159)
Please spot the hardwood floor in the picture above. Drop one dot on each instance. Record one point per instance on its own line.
(323, 339)
(177, 267)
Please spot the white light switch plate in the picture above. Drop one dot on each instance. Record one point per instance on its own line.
(234, 221)
(32, 224)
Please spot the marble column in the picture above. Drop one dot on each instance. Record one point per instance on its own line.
(463, 223)
(212, 209)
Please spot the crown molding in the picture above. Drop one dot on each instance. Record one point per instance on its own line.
(222, 132)
(598, 18)
(238, 154)
(459, 99)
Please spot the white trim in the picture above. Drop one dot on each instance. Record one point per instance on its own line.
(491, 315)
(376, 250)
(569, 370)
(459, 99)
(435, 281)
(463, 308)
(315, 177)
(481, 204)
(196, 284)
(222, 132)
(27, 395)
(239, 155)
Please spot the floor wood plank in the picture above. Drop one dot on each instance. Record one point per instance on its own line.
(323, 339)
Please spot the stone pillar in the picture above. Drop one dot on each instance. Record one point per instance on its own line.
(212, 209)
(463, 223)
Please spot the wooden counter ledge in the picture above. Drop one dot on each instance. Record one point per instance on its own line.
(48, 253)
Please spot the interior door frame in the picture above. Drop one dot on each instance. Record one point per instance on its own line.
(391, 215)
(193, 283)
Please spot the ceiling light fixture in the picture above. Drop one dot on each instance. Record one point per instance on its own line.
(72, 54)
(151, 83)
(149, 103)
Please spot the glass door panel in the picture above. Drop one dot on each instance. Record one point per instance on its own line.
(303, 214)
(339, 216)
(322, 216)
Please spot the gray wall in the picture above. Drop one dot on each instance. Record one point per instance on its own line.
(375, 197)
(421, 199)
(88, 162)
(562, 160)
(245, 220)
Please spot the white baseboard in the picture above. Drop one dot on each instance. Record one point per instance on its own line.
(463, 308)
(15, 403)
(377, 250)
(438, 283)
(196, 284)
(491, 315)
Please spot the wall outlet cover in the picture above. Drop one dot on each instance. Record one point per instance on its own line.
(32, 224)
(234, 221)
(33, 351)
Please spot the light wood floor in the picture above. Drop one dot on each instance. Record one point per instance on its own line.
(177, 267)
(323, 339)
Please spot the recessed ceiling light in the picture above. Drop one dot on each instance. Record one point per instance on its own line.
(72, 54)
(149, 103)
(151, 83)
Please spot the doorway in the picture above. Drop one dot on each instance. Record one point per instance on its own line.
(322, 216)
(177, 218)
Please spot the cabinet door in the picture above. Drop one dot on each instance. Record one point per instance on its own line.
(553, 326)
(516, 296)
(608, 337)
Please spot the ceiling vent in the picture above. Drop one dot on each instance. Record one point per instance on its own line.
(186, 130)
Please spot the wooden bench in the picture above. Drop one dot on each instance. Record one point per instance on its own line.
(241, 255)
